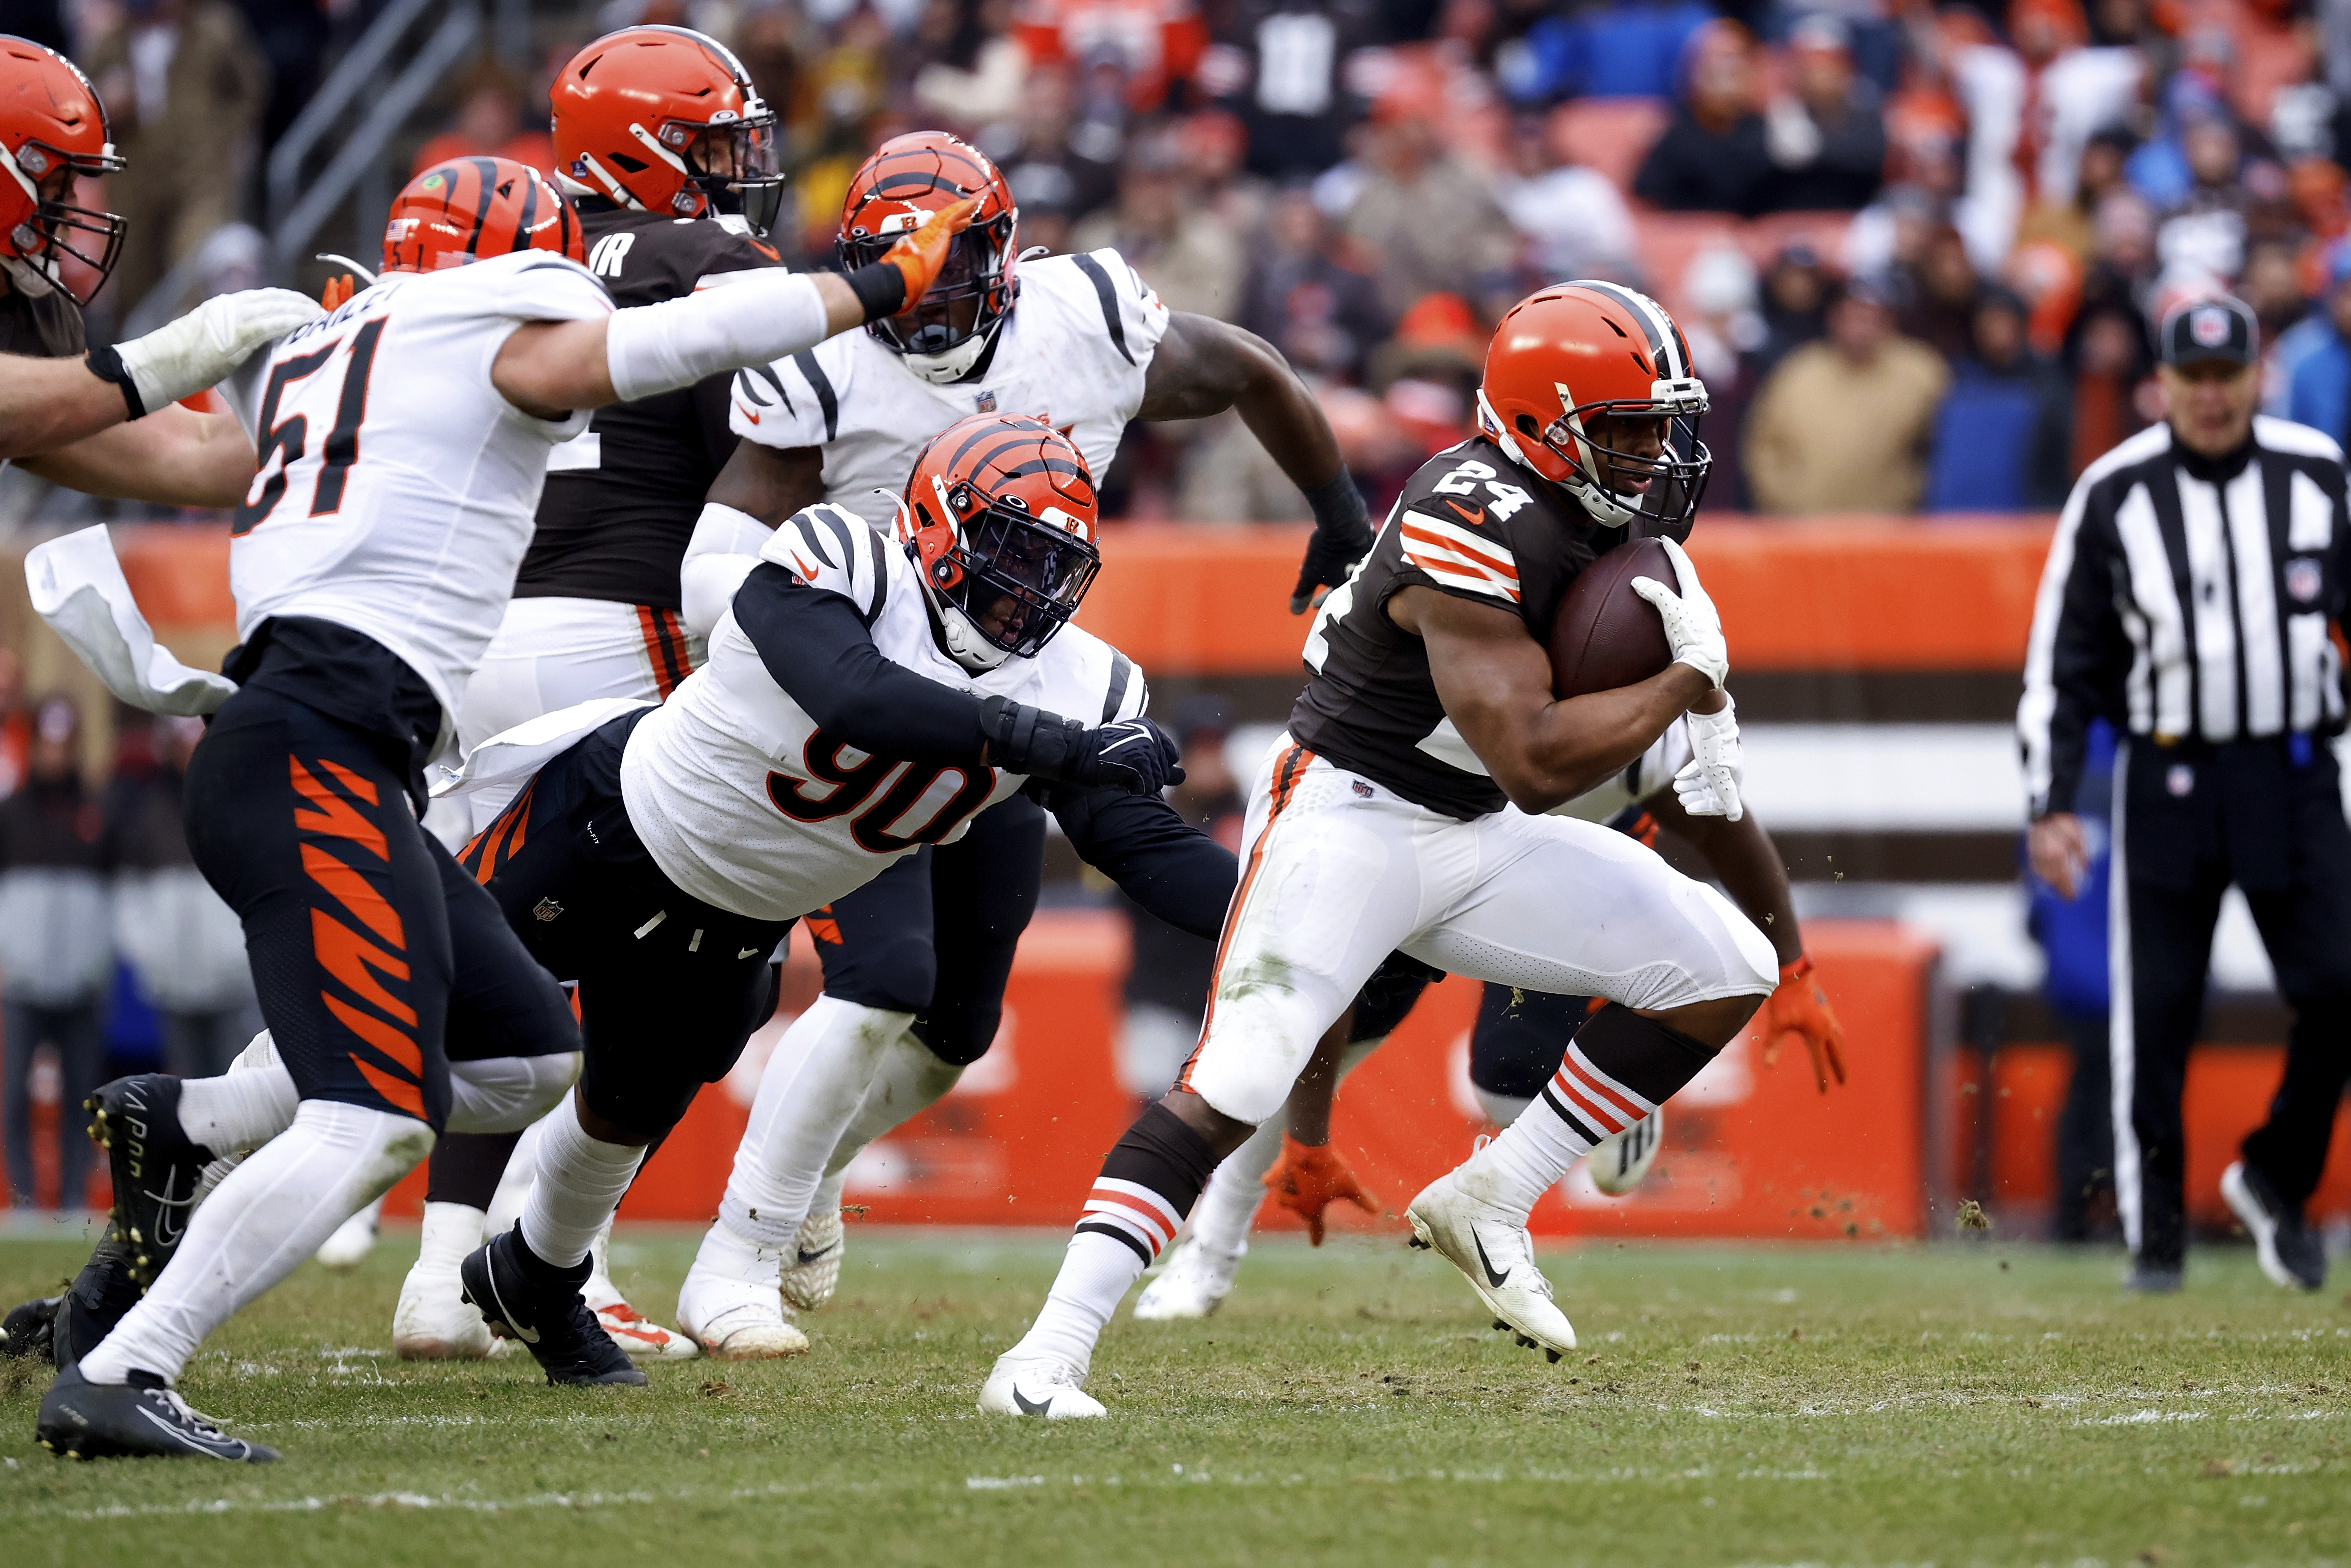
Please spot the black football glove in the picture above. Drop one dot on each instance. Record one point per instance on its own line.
(1134, 755)
(1343, 535)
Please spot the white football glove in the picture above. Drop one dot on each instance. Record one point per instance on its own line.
(1707, 785)
(184, 357)
(1692, 626)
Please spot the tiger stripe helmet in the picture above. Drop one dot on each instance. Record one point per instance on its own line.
(53, 133)
(1574, 353)
(470, 209)
(911, 176)
(1001, 519)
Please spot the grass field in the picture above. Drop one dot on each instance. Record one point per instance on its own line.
(1957, 1404)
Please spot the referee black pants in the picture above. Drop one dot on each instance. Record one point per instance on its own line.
(2188, 821)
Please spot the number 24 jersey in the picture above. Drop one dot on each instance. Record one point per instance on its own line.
(743, 802)
(398, 488)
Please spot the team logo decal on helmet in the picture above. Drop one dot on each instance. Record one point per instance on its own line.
(911, 176)
(53, 132)
(665, 119)
(1000, 519)
(470, 209)
(1589, 384)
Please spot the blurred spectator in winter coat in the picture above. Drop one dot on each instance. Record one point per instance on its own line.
(2319, 391)
(2002, 389)
(1713, 157)
(1794, 307)
(2074, 223)
(57, 953)
(1175, 241)
(1939, 307)
(1574, 222)
(489, 121)
(15, 724)
(1826, 137)
(1842, 425)
(1153, 44)
(976, 70)
(1305, 297)
(184, 947)
(1282, 66)
(1719, 316)
(1428, 220)
(184, 86)
(2107, 348)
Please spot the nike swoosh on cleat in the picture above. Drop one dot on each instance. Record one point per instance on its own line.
(808, 1257)
(1045, 1408)
(194, 1444)
(527, 1336)
(1485, 1262)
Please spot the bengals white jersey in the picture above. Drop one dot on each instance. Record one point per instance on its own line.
(397, 488)
(1072, 353)
(746, 804)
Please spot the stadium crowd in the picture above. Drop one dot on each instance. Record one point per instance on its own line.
(1897, 233)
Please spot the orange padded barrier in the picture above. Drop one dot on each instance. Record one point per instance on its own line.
(1209, 599)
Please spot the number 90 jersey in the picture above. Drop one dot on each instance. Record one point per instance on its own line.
(1469, 522)
(398, 488)
(743, 802)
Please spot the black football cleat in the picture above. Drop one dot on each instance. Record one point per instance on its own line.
(30, 1328)
(2292, 1254)
(141, 1418)
(155, 1163)
(522, 1297)
(97, 1299)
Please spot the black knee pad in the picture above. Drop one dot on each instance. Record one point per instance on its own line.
(1521, 1038)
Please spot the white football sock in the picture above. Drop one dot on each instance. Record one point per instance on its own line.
(808, 1096)
(580, 1180)
(508, 1094)
(514, 1183)
(266, 1216)
(451, 1231)
(909, 1081)
(739, 1258)
(238, 1110)
(1527, 1157)
(1222, 1218)
(1501, 1109)
(1096, 1273)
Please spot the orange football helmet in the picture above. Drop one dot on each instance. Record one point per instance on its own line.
(944, 336)
(666, 120)
(53, 130)
(1573, 354)
(470, 209)
(1001, 518)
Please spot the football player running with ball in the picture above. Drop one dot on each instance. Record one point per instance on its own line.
(1404, 810)
(864, 698)
(916, 963)
(404, 441)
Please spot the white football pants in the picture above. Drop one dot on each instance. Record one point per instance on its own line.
(1340, 872)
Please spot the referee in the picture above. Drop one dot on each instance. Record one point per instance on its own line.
(2191, 598)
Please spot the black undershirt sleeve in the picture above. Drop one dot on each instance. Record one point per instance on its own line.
(815, 647)
(1162, 861)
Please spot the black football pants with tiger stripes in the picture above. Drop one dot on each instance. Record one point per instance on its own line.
(377, 961)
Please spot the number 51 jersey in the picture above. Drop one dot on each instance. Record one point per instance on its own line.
(398, 487)
(746, 804)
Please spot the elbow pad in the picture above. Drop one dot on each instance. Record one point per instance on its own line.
(755, 317)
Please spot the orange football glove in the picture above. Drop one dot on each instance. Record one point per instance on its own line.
(921, 254)
(1307, 1180)
(339, 292)
(1800, 1008)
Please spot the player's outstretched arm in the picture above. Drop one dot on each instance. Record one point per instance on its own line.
(1203, 367)
(174, 457)
(1495, 681)
(1162, 861)
(48, 404)
(551, 369)
(758, 488)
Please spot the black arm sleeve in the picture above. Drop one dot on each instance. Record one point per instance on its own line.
(816, 648)
(2088, 662)
(1162, 861)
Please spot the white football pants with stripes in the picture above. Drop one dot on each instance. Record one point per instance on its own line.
(1339, 871)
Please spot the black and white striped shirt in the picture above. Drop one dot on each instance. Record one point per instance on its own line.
(2184, 598)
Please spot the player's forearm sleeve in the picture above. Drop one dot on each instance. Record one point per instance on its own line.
(815, 647)
(1164, 863)
(753, 317)
(726, 546)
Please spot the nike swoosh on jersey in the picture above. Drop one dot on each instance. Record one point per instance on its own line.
(1473, 516)
(1485, 1262)
(750, 413)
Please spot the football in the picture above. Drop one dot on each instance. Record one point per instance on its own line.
(1607, 635)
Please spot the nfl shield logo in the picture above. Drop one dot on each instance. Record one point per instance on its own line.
(2303, 579)
(987, 401)
(2209, 327)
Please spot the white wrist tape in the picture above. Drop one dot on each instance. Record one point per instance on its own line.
(751, 319)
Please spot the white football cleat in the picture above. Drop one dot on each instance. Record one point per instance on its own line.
(640, 1337)
(353, 1239)
(736, 1320)
(812, 1271)
(1618, 1162)
(1195, 1283)
(435, 1322)
(1047, 1388)
(1489, 1245)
